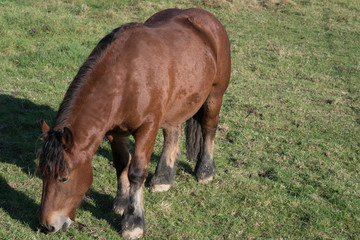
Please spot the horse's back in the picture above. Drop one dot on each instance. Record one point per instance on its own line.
(204, 25)
(174, 60)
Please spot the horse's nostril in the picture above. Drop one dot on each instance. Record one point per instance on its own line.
(51, 228)
(43, 228)
(47, 229)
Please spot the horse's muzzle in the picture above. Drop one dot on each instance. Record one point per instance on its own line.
(47, 229)
(52, 228)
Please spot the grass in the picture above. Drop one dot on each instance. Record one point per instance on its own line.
(287, 148)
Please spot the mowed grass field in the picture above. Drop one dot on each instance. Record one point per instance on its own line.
(288, 144)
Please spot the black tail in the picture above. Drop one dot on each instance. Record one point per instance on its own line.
(194, 136)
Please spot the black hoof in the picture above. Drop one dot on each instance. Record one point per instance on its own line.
(161, 183)
(133, 226)
(205, 169)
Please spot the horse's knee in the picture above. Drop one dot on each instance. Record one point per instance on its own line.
(137, 175)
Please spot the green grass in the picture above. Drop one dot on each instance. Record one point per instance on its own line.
(288, 144)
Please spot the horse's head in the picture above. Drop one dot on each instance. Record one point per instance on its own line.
(66, 178)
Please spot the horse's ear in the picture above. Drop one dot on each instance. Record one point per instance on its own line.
(45, 128)
(67, 139)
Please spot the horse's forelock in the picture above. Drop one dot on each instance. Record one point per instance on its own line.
(52, 160)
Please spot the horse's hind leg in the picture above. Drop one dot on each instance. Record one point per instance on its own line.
(121, 158)
(205, 166)
(166, 168)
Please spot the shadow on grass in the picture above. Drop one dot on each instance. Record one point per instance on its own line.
(102, 208)
(186, 167)
(20, 129)
(19, 206)
(19, 132)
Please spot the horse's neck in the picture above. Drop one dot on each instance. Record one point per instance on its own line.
(88, 134)
(88, 128)
(89, 115)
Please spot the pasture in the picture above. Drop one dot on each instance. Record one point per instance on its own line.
(288, 143)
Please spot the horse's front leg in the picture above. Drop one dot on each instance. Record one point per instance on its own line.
(133, 221)
(121, 158)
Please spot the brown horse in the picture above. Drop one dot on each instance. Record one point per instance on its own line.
(139, 78)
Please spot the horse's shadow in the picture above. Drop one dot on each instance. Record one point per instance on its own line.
(18, 205)
(20, 129)
(101, 208)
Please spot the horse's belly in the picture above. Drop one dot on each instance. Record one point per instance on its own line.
(186, 100)
(189, 91)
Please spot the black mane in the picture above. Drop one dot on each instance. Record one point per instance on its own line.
(51, 159)
(84, 71)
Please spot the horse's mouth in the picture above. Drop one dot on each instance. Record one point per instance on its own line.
(46, 230)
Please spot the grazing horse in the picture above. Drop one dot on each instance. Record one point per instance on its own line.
(141, 77)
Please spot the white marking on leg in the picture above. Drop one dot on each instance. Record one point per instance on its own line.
(124, 179)
(171, 154)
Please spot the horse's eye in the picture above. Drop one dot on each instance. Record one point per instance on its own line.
(64, 179)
